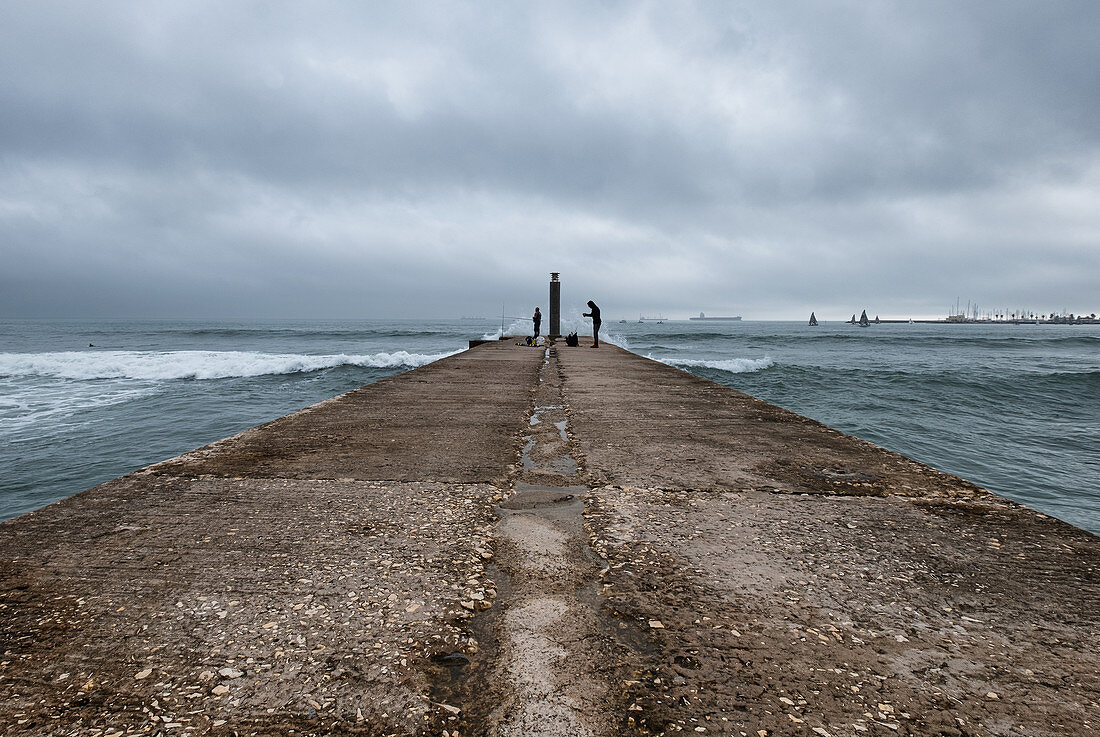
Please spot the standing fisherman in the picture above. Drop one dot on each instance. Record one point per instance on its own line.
(537, 319)
(596, 322)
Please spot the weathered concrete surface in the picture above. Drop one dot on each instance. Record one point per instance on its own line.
(794, 580)
(517, 542)
(298, 577)
(653, 425)
(454, 420)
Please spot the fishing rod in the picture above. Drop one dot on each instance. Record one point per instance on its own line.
(503, 317)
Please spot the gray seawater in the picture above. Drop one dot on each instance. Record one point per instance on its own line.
(1015, 409)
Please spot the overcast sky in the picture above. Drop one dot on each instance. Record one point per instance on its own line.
(383, 159)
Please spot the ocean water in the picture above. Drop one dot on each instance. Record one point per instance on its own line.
(84, 402)
(1015, 409)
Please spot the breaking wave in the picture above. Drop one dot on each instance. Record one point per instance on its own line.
(518, 327)
(729, 365)
(150, 365)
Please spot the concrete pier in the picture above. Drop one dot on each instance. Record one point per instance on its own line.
(514, 541)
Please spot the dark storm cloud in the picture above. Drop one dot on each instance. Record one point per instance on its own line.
(337, 159)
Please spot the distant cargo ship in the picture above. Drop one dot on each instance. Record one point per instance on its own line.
(704, 317)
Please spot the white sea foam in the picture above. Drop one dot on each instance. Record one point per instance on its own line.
(616, 339)
(164, 365)
(569, 322)
(27, 410)
(518, 327)
(730, 365)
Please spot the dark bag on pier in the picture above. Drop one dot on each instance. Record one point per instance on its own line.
(572, 340)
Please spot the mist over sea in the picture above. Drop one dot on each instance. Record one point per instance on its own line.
(1013, 408)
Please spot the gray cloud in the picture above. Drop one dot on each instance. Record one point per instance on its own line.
(205, 159)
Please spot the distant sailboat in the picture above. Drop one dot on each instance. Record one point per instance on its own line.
(853, 320)
(813, 320)
(863, 321)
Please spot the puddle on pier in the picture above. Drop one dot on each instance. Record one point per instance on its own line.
(562, 465)
(531, 497)
(536, 414)
(546, 626)
(537, 674)
(555, 454)
(525, 459)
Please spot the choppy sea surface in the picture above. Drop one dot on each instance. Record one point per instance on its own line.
(1013, 408)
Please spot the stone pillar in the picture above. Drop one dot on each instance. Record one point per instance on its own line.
(555, 306)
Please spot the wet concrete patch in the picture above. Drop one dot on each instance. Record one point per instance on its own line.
(537, 413)
(525, 459)
(547, 628)
(545, 671)
(528, 496)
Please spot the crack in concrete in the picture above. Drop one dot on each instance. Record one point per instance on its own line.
(547, 674)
